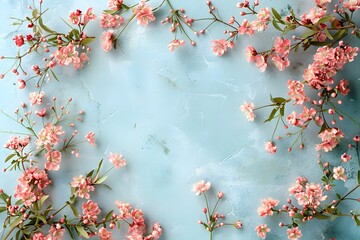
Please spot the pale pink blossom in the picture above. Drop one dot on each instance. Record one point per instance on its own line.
(16, 143)
(175, 44)
(280, 62)
(110, 21)
(282, 46)
(245, 28)
(41, 113)
(294, 233)
(115, 4)
(339, 173)
(91, 211)
(74, 17)
(156, 232)
(124, 208)
(292, 119)
(53, 159)
(89, 16)
(264, 15)
(56, 232)
(314, 15)
(270, 147)
(107, 40)
(322, 3)
(260, 62)
(266, 207)
(39, 236)
(36, 98)
(66, 55)
(201, 187)
(49, 136)
(345, 157)
(258, 25)
(248, 110)
(343, 87)
(330, 138)
(144, 14)
(308, 194)
(117, 160)
(250, 53)
(262, 230)
(307, 114)
(219, 47)
(104, 234)
(90, 137)
(352, 5)
(297, 92)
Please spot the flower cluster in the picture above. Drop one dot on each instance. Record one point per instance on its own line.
(214, 220)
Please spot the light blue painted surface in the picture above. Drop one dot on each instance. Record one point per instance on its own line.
(176, 118)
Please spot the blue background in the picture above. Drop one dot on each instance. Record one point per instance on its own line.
(176, 119)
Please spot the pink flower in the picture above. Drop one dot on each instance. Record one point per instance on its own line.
(49, 136)
(201, 187)
(53, 160)
(144, 14)
(107, 40)
(219, 47)
(264, 15)
(292, 119)
(343, 87)
(117, 160)
(156, 232)
(85, 188)
(308, 195)
(66, 55)
(297, 92)
(51, 64)
(307, 114)
(238, 224)
(115, 4)
(104, 234)
(39, 236)
(17, 144)
(245, 28)
(322, 3)
(125, 210)
(36, 98)
(56, 232)
(258, 25)
(248, 110)
(89, 16)
(41, 113)
(330, 138)
(260, 62)
(19, 40)
(250, 53)
(90, 137)
(74, 17)
(110, 21)
(91, 211)
(266, 207)
(314, 15)
(175, 44)
(262, 230)
(345, 157)
(294, 233)
(280, 62)
(339, 173)
(270, 147)
(352, 5)
(282, 46)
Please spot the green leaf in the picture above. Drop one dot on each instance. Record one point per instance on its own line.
(42, 218)
(327, 33)
(19, 202)
(340, 33)
(282, 110)
(43, 26)
(276, 14)
(108, 216)
(54, 75)
(42, 200)
(358, 176)
(324, 19)
(278, 100)
(338, 196)
(73, 209)
(87, 41)
(35, 13)
(2, 209)
(101, 180)
(82, 231)
(110, 11)
(10, 157)
(357, 220)
(321, 216)
(16, 221)
(333, 217)
(99, 167)
(276, 25)
(358, 34)
(347, 16)
(90, 173)
(272, 114)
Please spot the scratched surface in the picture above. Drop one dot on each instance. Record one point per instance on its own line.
(176, 119)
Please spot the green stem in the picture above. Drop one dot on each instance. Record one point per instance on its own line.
(351, 191)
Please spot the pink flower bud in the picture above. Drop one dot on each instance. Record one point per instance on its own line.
(21, 84)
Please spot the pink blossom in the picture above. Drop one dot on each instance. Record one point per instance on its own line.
(36, 98)
(219, 47)
(115, 4)
(297, 92)
(270, 147)
(345, 157)
(66, 55)
(144, 14)
(201, 187)
(21, 84)
(104, 234)
(266, 207)
(107, 40)
(77, 180)
(314, 15)
(282, 46)
(175, 44)
(49, 135)
(248, 110)
(308, 195)
(110, 21)
(343, 87)
(339, 173)
(19, 40)
(39, 236)
(352, 5)
(307, 114)
(322, 3)
(56, 232)
(292, 119)
(79, 61)
(258, 25)
(330, 138)
(262, 230)
(53, 160)
(74, 17)
(264, 15)
(125, 210)
(117, 160)
(91, 211)
(156, 232)
(85, 188)
(250, 53)
(90, 137)
(294, 233)
(89, 16)
(17, 144)
(280, 62)
(260, 62)
(238, 224)
(41, 113)
(245, 28)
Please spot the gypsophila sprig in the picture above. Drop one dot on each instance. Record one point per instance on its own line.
(214, 220)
